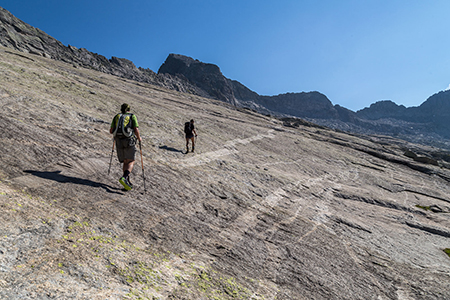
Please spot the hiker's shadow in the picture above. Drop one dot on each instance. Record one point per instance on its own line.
(58, 177)
(170, 149)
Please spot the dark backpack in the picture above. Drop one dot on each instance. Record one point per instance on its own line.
(187, 128)
(124, 131)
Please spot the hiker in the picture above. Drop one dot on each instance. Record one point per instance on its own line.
(125, 129)
(189, 130)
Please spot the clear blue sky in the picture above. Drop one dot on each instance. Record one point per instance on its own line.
(356, 52)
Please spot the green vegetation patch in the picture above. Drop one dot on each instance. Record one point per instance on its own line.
(447, 250)
(210, 284)
(142, 273)
(104, 259)
(423, 207)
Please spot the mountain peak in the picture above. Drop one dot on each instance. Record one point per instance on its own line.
(183, 59)
(177, 64)
(438, 103)
(381, 109)
(207, 77)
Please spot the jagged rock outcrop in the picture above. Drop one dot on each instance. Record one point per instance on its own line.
(433, 115)
(311, 104)
(436, 111)
(207, 77)
(435, 108)
(382, 110)
(20, 36)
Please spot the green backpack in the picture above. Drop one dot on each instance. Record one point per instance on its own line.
(124, 127)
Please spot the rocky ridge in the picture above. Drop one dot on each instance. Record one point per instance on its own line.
(427, 124)
(265, 209)
(18, 35)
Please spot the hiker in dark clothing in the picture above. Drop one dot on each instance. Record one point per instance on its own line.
(125, 128)
(189, 130)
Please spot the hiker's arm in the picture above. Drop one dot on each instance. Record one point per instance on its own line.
(195, 132)
(113, 126)
(138, 135)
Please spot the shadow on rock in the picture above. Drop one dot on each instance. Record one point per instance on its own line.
(57, 176)
(170, 149)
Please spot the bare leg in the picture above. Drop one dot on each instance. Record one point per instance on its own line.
(128, 165)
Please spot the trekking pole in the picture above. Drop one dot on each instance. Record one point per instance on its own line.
(110, 161)
(142, 163)
(196, 140)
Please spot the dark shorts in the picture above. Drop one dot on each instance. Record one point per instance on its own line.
(126, 149)
(189, 136)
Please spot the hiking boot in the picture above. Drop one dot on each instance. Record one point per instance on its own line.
(193, 149)
(126, 184)
(129, 182)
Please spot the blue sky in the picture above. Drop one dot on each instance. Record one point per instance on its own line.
(355, 52)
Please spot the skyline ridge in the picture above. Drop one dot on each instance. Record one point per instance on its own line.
(186, 74)
(356, 53)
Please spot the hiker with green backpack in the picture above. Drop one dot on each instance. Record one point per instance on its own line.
(125, 129)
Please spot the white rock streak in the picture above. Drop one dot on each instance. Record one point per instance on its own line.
(204, 158)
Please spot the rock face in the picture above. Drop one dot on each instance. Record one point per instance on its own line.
(312, 105)
(207, 77)
(264, 209)
(432, 116)
(20, 36)
(435, 109)
(382, 110)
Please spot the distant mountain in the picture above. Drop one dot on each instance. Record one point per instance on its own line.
(381, 110)
(435, 109)
(209, 78)
(434, 113)
(429, 123)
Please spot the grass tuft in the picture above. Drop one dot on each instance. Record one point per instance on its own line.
(423, 207)
(447, 250)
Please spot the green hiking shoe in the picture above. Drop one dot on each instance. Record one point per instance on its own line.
(126, 184)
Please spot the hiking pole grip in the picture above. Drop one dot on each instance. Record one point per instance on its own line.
(110, 161)
(142, 164)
